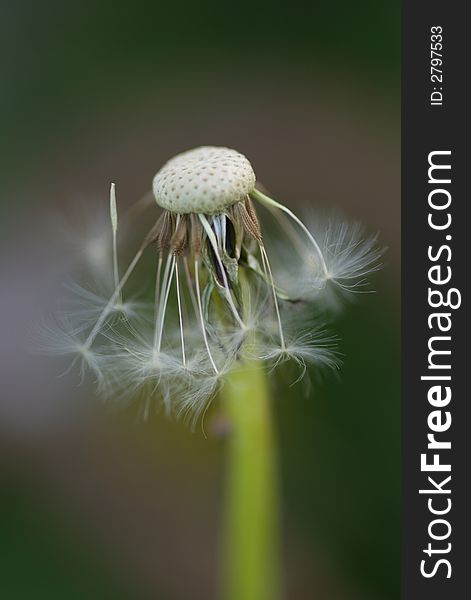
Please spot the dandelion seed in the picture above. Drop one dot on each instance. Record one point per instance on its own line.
(114, 229)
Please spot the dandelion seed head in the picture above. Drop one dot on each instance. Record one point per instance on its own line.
(221, 296)
(203, 180)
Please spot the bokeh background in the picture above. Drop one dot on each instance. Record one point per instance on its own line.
(96, 503)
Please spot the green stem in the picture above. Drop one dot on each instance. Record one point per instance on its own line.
(251, 546)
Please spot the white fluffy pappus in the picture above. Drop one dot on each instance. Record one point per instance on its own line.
(350, 256)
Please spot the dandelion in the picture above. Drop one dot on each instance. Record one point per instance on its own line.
(226, 305)
(217, 297)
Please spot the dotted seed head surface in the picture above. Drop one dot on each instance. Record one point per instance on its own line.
(203, 180)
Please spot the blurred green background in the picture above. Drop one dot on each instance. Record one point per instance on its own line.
(100, 505)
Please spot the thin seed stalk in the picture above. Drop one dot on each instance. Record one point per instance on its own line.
(251, 527)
